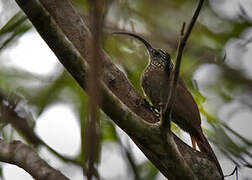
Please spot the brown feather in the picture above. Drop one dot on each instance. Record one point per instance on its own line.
(185, 113)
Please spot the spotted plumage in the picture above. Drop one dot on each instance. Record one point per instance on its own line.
(185, 113)
(159, 66)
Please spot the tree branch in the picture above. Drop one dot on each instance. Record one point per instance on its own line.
(20, 123)
(91, 128)
(113, 85)
(78, 33)
(79, 69)
(165, 121)
(21, 155)
(182, 43)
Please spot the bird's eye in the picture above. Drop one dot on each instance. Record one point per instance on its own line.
(156, 53)
(167, 55)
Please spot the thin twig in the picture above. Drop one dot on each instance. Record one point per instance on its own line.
(194, 18)
(91, 134)
(182, 42)
(232, 173)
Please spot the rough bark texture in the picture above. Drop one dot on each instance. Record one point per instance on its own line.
(23, 156)
(78, 33)
(55, 21)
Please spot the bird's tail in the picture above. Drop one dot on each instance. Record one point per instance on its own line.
(204, 146)
(193, 142)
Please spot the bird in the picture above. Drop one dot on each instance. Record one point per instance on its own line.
(155, 82)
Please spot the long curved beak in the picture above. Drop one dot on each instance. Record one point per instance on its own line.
(148, 46)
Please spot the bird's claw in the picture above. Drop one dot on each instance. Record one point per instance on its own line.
(155, 111)
(152, 108)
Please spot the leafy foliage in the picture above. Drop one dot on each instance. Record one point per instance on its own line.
(159, 23)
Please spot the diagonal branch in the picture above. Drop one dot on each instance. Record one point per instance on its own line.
(20, 123)
(182, 43)
(23, 156)
(119, 100)
(76, 30)
(79, 69)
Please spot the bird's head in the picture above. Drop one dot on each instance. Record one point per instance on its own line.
(157, 56)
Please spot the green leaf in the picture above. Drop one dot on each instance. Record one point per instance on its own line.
(108, 131)
(148, 171)
(13, 29)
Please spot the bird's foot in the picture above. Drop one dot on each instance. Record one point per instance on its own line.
(155, 111)
(152, 108)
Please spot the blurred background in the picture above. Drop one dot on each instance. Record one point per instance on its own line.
(216, 67)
